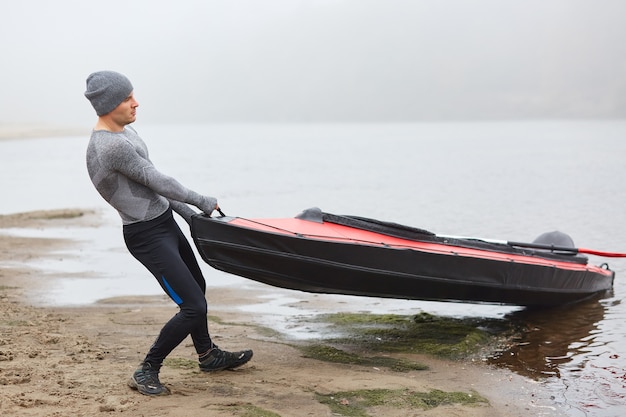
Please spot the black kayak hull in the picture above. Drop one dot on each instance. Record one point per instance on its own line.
(332, 267)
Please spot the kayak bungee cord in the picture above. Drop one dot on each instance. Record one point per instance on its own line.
(551, 248)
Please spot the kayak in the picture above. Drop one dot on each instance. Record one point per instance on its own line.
(326, 253)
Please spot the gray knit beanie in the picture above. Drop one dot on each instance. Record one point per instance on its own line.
(106, 90)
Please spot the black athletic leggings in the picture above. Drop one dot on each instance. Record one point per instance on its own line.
(161, 247)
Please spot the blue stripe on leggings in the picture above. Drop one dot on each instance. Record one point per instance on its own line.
(171, 292)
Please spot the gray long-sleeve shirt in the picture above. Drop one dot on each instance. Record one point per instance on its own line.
(121, 170)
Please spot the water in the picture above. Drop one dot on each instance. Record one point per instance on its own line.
(508, 180)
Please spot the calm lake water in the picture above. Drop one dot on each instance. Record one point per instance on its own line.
(508, 180)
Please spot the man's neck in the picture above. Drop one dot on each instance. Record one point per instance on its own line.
(105, 124)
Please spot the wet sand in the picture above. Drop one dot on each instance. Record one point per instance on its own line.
(76, 360)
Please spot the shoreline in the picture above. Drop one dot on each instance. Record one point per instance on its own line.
(76, 360)
(16, 132)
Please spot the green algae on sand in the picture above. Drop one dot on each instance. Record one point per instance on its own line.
(445, 337)
(357, 403)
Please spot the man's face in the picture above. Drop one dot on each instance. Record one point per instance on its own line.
(126, 112)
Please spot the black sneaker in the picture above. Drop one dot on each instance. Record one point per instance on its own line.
(218, 360)
(146, 380)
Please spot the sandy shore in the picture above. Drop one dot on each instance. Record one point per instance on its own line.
(76, 361)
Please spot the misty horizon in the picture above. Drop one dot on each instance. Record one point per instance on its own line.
(317, 61)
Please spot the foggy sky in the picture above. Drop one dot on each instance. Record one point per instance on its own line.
(316, 60)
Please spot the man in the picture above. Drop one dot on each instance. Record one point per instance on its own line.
(120, 169)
